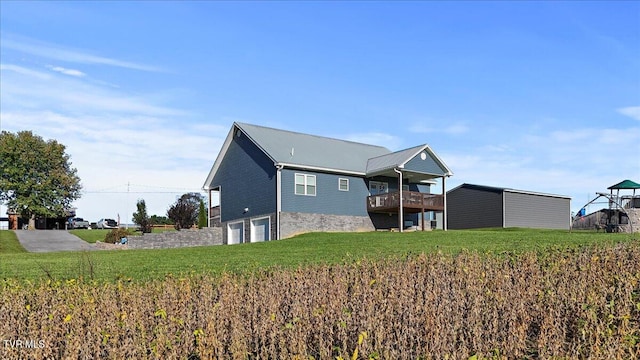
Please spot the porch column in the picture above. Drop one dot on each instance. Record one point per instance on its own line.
(444, 200)
(400, 208)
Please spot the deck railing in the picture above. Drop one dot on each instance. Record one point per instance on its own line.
(410, 199)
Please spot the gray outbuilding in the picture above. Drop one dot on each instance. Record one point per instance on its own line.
(472, 206)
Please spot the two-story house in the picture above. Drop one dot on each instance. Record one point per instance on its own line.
(273, 184)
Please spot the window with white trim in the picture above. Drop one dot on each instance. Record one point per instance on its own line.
(343, 184)
(305, 184)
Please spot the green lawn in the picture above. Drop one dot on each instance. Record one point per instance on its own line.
(299, 251)
(9, 243)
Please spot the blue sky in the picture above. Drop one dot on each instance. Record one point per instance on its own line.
(541, 96)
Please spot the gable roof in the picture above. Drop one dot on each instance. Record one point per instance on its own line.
(382, 164)
(500, 190)
(304, 151)
(295, 149)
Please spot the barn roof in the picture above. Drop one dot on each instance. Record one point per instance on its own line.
(500, 190)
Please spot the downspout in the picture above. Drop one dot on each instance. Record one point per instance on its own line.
(400, 214)
(278, 198)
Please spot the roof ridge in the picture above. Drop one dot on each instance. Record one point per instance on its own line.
(312, 135)
(399, 151)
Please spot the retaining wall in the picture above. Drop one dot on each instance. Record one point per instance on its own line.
(177, 239)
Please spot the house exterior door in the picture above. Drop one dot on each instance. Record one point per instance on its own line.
(378, 187)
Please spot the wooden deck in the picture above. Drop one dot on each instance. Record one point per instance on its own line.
(412, 202)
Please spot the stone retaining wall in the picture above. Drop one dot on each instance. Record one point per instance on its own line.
(177, 239)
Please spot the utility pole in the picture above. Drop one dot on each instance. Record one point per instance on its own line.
(128, 200)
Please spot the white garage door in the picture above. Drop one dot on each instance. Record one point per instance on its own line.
(235, 233)
(260, 229)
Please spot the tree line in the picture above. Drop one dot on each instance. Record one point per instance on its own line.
(37, 179)
(187, 211)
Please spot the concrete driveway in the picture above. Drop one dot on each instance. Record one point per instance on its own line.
(51, 240)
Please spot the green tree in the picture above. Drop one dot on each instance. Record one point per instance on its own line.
(184, 212)
(36, 176)
(202, 215)
(160, 220)
(141, 218)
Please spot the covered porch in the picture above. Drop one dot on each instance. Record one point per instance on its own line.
(413, 166)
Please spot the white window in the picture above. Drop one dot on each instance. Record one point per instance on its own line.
(305, 184)
(343, 184)
(235, 233)
(261, 229)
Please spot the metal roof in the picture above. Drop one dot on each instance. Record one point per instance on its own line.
(500, 190)
(295, 149)
(392, 160)
(298, 150)
(398, 159)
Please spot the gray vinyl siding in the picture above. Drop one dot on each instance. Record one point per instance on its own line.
(247, 179)
(328, 199)
(426, 166)
(473, 208)
(536, 211)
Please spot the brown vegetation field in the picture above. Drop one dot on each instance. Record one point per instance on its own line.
(576, 304)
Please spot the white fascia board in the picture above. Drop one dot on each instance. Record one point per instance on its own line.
(433, 155)
(439, 160)
(318, 168)
(420, 149)
(216, 164)
(225, 148)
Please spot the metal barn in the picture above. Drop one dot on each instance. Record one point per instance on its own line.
(472, 206)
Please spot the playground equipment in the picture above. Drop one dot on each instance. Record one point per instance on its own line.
(622, 215)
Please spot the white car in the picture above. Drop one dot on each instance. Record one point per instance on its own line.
(107, 224)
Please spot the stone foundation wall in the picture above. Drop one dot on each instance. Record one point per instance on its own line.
(177, 239)
(293, 223)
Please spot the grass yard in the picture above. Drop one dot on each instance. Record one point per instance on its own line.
(9, 243)
(314, 248)
(491, 294)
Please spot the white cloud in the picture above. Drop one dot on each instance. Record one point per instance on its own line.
(60, 53)
(113, 138)
(573, 162)
(70, 72)
(76, 95)
(631, 111)
(24, 71)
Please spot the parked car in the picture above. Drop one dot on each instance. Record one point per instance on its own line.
(79, 223)
(106, 224)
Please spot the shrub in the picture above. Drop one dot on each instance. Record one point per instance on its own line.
(141, 218)
(184, 212)
(115, 235)
(202, 216)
